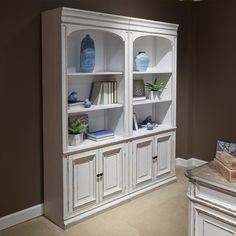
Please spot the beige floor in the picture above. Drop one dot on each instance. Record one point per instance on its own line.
(162, 212)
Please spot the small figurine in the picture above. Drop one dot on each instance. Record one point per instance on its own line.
(87, 103)
(73, 97)
(150, 126)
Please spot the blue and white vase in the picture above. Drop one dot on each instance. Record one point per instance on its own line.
(87, 54)
(141, 62)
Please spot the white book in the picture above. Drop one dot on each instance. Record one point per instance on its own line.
(115, 92)
(112, 92)
(105, 93)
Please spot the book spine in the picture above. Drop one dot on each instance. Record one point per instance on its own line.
(112, 92)
(91, 91)
(115, 92)
(105, 93)
(100, 93)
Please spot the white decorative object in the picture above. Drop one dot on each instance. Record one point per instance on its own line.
(75, 139)
(94, 176)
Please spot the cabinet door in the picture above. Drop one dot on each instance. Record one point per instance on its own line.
(209, 226)
(163, 152)
(82, 180)
(142, 160)
(112, 170)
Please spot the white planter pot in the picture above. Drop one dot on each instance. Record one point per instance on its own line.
(154, 95)
(75, 140)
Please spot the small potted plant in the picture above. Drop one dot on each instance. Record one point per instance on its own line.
(76, 131)
(155, 89)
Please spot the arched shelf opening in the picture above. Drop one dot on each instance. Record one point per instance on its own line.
(159, 51)
(109, 51)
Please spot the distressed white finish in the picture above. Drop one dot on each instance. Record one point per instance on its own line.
(142, 157)
(112, 161)
(163, 149)
(97, 175)
(82, 180)
(212, 208)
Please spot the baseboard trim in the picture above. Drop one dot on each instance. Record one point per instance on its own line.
(21, 216)
(189, 162)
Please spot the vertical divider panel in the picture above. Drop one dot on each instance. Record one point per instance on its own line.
(64, 81)
(130, 84)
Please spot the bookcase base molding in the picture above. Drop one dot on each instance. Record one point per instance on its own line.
(128, 160)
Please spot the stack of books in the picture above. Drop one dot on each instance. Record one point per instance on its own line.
(225, 164)
(101, 135)
(103, 92)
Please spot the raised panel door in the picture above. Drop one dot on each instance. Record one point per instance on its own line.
(163, 151)
(82, 180)
(112, 170)
(142, 161)
(209, 226)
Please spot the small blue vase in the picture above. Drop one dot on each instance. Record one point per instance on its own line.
(141, 62)
(87, 54)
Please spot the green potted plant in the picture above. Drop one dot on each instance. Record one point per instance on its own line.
(155, 89)
(76, 131)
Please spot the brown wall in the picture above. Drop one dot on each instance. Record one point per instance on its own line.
(214, 95)
(21, 165)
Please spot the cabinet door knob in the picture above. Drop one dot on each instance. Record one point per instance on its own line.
(99, 175)
(154, 158)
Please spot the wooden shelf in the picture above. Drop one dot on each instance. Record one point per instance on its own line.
(96, 73)
(81, 108)
(148, 101)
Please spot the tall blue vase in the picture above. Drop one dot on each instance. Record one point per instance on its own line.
(87, 54)
(141, 62)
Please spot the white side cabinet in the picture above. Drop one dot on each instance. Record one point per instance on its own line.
(82, 180)
(212, 203)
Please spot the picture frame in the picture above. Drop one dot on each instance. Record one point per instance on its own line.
(138, 89)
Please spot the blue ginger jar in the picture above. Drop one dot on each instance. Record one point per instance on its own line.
(141, 62)
(87, 54)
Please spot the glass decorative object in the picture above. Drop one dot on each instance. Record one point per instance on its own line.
(87, 54)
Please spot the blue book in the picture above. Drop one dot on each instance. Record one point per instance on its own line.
(101, 133)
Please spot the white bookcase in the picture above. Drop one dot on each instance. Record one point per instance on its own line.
(83, 180)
